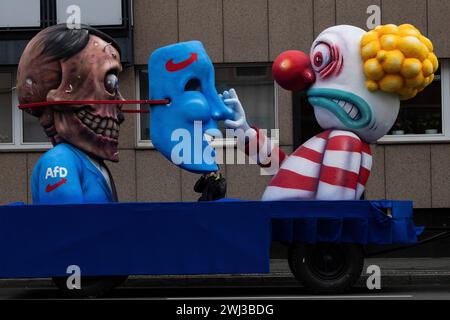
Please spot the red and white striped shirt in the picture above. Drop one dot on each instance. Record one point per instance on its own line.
(334, 165)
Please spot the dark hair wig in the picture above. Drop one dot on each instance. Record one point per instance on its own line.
(61, 42)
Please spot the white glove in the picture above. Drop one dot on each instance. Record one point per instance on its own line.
(231, 100)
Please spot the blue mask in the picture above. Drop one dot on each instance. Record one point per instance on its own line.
(184, 74)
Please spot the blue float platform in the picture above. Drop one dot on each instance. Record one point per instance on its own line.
(224, 237)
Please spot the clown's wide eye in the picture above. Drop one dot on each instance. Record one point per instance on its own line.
(111, 83)
(321, 57)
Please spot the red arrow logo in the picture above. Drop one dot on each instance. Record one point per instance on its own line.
(173, 67)
(50, 187)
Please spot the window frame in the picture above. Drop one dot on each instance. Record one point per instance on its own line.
(445, 103)
(17, 143)
(216, 143)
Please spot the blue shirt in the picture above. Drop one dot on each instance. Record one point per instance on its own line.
(65, 174)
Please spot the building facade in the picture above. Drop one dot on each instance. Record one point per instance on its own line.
(242, 37)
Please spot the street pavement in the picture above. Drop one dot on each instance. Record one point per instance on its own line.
(401, 279)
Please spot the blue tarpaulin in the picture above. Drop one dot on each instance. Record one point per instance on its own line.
(224, 237)
(362, 222)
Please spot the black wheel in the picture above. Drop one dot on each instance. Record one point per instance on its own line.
(326, 268)
(91, 287)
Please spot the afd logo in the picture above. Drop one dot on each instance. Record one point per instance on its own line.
(56, 172)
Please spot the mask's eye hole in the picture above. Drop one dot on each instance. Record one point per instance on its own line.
(193, 85)
(321, 57)
(111, 83)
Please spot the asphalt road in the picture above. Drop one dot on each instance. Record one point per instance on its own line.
(409, 292)
(402, 279)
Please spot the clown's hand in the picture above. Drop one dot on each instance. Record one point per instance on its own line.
(231, 100)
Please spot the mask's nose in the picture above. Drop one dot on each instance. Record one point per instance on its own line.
(219, 111)
(292, 71)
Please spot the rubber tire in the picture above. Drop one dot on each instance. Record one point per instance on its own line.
(303, 264)
(91, 287)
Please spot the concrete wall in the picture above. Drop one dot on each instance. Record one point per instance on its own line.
(255, 31)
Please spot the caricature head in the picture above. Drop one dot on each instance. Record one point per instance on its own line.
(360, 77)
(74, 64)
(184, 74)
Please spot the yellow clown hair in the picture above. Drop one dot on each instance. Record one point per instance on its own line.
(398, 59)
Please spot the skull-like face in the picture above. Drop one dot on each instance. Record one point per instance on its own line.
(91, 74)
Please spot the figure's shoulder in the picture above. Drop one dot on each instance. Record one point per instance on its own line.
(344, 134)
(58, 155)
(342, 140)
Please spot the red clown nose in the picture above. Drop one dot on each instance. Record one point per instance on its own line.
(292, 71)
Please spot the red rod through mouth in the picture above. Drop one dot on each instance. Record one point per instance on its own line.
(87, 102)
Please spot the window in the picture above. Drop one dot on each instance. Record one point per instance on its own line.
(427, 116)
(6, 129)
(144, 119)
(18, 130)
(95, 13)
(13, 15)
(256, 90)
(253, 83)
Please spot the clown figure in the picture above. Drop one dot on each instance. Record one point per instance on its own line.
(354, 80)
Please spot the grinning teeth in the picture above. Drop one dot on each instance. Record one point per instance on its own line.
(94, 125)
(349, 108)
(103, 124)
(353, 113)
(87, 122)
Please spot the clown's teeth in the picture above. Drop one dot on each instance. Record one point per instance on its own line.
(107, 133)
(353, 112)
(110, 124)
(349, 108)
(99, 131)
(357, 116)
(97, 119)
